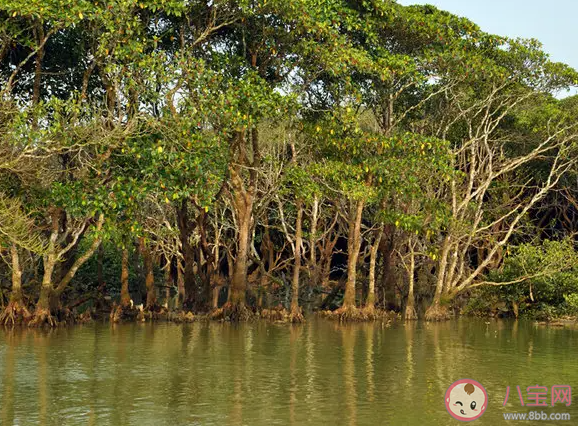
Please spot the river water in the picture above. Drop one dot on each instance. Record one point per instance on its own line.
(319, 373)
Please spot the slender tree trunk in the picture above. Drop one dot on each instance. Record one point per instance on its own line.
(410, 313)
(80, 260)
(150, 279)
(43, 306)
(124, 291)
(16, 295)
(313, 266)
(295, 311)
(99, 267)
(168, 282)
(180, 284)
(353, 247)
(244, 207)
(436, 312)
(39, 33)
(185, 231)
(370, 302)
(387, 297)
(15, 312)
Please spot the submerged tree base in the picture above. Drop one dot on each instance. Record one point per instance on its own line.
(15, 314)
(354, 314)
(410, 313)
(182, 317)
(43, 317)
(280, 314)
(121, 313)
(236, 312)
(437, 312)
(296, 316)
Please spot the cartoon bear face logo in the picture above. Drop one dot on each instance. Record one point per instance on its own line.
(466, 400)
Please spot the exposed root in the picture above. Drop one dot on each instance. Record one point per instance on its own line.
(296, 316)
(43, 317)
(410, 313)
(349, 314)
(85, 317)
(123, 313)
(437, 312)
(232, 312)
(14, 314)
(182, 317)
(370, 313)
(354, 314)
(277, 314)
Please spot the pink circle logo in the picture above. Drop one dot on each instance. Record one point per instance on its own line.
(466, 400)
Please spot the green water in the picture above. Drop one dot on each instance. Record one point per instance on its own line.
(320, 373)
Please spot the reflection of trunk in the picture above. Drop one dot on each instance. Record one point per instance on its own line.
(297, 266)
(349, 374)
(124, 291)
(150, 279)
(370, 302)
(353, 246)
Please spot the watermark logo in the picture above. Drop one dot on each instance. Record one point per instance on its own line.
(466, 400)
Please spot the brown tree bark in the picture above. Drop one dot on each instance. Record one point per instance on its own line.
(296, 315)
(15, 312)
(244, 207)
(16, 295)
(370, 301)
(410, 313)
(353, 247)
(150, 279)
(125, 300)
(188, 275)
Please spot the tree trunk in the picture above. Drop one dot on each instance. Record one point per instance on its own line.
(80, 260)
(295, 310)
(168, 281)
(16, 295)
(313, 266)
(15, 312)
(99, 267)
(43, 307)
(188, 271)
(387, 291)
(370, 302)
(180, 284)
(124, 291)
(244, 209)
(436, 312)
(353, 246)
(150, 279)
(410, 313)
